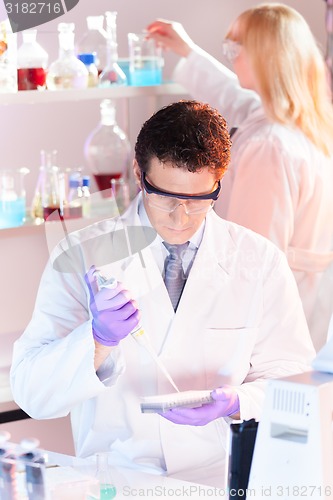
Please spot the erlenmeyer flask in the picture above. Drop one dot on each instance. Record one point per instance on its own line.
(112, 74)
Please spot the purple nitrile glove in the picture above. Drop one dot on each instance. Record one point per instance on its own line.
(226, 403)
(115, 314)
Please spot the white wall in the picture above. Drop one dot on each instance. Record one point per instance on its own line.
(26, 129)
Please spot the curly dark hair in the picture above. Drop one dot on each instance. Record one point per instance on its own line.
(188, 134)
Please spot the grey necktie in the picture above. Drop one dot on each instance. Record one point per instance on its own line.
(174, 274)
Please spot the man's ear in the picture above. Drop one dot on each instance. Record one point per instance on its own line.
(137, 173)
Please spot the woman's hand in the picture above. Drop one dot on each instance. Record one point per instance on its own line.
(170, 35)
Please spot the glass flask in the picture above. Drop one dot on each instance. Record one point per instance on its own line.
(32, 62)
(12, 197)
(8, 58)
(112, 74)
(107, 149)
(94, 41)
(67, 72)
(107, 488)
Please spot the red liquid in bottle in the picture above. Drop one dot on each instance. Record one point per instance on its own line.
(103, 182)
(31, 78)
(52, 213)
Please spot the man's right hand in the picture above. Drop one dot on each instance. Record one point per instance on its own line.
(170, 35)
(115, 314)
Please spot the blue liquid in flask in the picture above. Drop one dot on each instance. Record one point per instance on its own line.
(107, 491)
(12, 212)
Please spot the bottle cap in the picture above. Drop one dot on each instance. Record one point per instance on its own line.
(88, 58)
(86, 180)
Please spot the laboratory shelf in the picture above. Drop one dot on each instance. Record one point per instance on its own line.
(72, 95)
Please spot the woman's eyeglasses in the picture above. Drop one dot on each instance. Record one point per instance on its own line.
(231, 49)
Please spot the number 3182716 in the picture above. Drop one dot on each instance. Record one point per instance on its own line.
(33, 8)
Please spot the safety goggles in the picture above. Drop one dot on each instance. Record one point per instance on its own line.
(231, 49)
(168, 202)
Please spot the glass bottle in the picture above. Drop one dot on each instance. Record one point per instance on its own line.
(8, 58)
(107, 488)
(112, 74)
(74, 199)
(107, 149)
(67, 72)
(89, 62)
(94, 41)
(32, 62)
(86, 196)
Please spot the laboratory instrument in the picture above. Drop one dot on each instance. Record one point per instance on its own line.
(103, 474)
(73, 210)
(146, 60)
(12, 197)
(86, 196)
(139, 334)
(94, 41)
(112, 74)
(120, 192)
(8, 58)
(32, 61)
(107, 149)
(67, 72)
(49, 184)
(8, 487)
(89, 62)
(35, 463)
(293, 453)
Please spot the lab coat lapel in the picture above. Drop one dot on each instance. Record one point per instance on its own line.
(143, 278)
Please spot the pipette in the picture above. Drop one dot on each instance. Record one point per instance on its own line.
(138, 333)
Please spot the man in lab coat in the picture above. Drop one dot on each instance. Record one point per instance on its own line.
(239, 320)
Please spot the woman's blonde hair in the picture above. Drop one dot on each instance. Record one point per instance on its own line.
(290, 69)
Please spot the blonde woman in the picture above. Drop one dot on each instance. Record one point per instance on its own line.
(278, 104)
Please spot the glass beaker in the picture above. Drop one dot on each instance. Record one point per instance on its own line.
(12, 197)
(146, 61)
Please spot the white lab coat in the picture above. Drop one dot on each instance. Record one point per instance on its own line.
(239, 321)
(278, 184)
